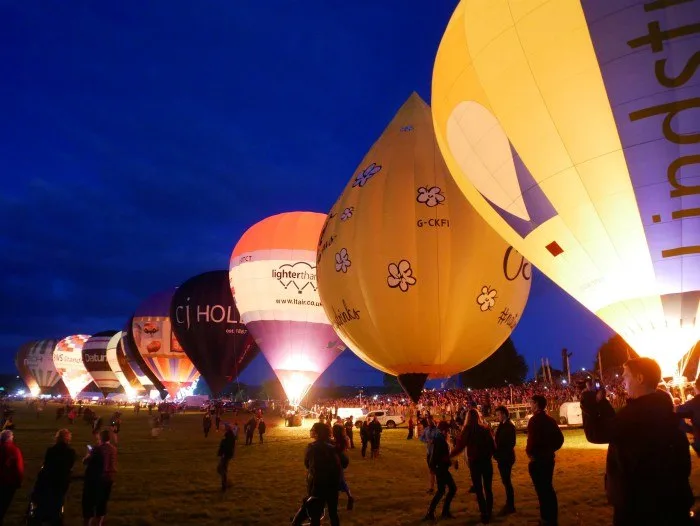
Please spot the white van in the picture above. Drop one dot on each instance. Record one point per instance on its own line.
(570, 414)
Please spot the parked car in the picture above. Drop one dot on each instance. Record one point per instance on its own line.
(384, 418)
(519, 414)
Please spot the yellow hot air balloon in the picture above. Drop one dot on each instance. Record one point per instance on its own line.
(412, 278)
(566, 127)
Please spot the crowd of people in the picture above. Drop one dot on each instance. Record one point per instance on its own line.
(447, 402)
(645, 424)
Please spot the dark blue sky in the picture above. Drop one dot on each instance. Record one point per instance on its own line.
(139, 140)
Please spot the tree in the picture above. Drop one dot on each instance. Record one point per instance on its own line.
(273, 389)
(613, 354)
(391, 384)
(505, 366)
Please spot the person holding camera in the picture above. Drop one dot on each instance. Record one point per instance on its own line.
(648, 460)
(544, 439)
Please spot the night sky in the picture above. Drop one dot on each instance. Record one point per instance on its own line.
(139, 140)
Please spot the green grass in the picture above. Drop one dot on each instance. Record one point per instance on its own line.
(172, 480)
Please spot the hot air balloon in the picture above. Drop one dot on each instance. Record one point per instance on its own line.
(413, 279)
(68, 359)
(206, 322)
(41, 365)
(119, 365)
(146, 377)
(95, 359)
(23, 369)
(573, 129)
(273, 280)
(158, 345)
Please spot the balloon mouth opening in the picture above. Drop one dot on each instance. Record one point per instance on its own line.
(296, 384)
(412, 384)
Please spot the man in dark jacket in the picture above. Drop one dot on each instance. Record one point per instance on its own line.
(439, 462)
(349, 424)
(226, 450)
(648, 461)
(505, 455)
(324, 472)
(544, 438)
(53, 480)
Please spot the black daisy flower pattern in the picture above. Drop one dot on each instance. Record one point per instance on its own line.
(400, 275)
(366, 175)
(487, 298)
(342, 261)
(430, 196)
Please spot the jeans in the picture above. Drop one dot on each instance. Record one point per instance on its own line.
(443, 478)
(505, 468)
(482, 479)
(541, 473)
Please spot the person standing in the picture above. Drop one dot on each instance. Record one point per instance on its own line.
(100, 471)
(11, 470)
(206, 424)
(364, 437)
(505, 456)
(544, 439)
(439, 463)
(375, 436)
(250, 430)
(430, 431)
(323, 479)
(349, 424)
(648, 460)
(410, 428)
(261, 429)
(53, 479)
(225, 453)
(477, 439)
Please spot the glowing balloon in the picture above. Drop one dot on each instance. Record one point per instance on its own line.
(158, 345)
(572, 127)
(39, 360)
(119, 365)
(273, 280)
(23, 369)
(206, 322)
(413, 279)
(95, 360)
(146, 377)
(68, 359)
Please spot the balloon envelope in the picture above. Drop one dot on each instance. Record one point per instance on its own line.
(569, 131)
(23, 369)
(68, 359)
(95, 359)
(273, 280)
(41, 364)
(158, 345)
(146, 377)
(414, 280)
(119, 365)
(207, 324)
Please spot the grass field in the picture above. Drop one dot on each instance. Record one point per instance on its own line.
(171, 480)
